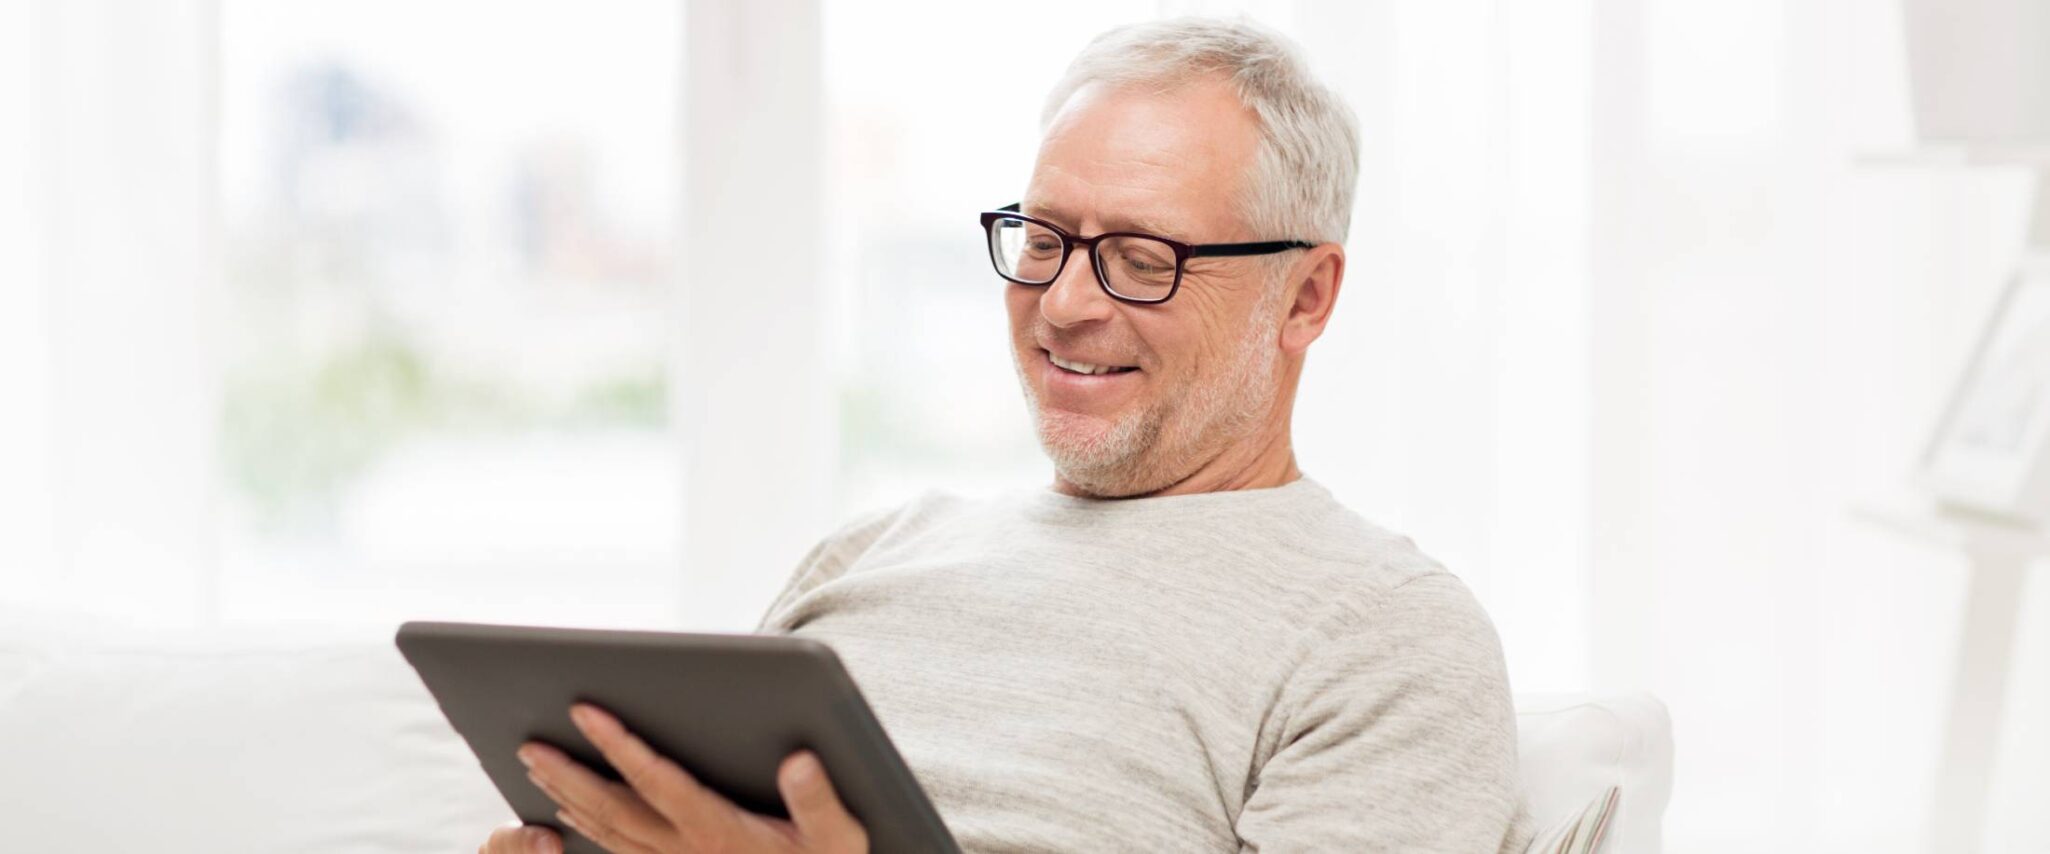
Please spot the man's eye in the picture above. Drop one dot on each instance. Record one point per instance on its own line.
(1043, 246)
(1147, 264)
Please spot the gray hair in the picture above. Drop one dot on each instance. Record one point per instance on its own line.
(1301, 183)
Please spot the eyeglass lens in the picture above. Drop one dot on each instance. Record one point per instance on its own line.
(1139, 268)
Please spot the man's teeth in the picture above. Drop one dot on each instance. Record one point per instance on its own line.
(1081, 367)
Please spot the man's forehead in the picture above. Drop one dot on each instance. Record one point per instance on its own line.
(1139, 158)
(1120, 219)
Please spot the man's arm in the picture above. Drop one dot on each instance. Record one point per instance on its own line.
(1397, 733)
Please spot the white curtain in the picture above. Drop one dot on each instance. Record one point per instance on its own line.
(106, 258)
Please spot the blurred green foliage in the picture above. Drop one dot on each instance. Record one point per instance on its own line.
(294, 434)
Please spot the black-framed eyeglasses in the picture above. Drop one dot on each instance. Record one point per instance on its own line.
(1132, 266)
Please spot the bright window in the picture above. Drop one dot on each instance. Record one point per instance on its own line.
(447, 249)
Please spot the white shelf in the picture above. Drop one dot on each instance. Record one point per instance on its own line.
(1960, 529)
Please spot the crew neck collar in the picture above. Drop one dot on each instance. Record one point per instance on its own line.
(1055, 503)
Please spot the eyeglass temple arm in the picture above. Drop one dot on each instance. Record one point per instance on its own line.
(1265, 247)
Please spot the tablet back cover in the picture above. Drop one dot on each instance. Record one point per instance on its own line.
(728, 708)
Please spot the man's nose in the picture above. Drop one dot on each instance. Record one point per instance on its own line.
(1075, 296)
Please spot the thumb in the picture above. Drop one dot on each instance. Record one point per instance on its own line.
(815, 808)
(517, 839)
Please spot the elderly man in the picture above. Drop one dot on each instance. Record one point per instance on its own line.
(1184, 644)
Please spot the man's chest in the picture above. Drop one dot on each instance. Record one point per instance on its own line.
(1079, 705)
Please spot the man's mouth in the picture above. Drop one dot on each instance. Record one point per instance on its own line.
(1085, 368)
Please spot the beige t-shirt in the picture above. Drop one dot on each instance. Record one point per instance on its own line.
(1260, 670)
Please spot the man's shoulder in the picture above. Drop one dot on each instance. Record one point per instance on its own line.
(904, 518)
(1361, 588)
(1335, 548)
(898, 524)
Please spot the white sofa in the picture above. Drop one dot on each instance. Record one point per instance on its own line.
(297, 740)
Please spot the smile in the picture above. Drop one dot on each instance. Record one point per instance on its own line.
(1085, 367)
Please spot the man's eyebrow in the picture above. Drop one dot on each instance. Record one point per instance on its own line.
(1115, 222)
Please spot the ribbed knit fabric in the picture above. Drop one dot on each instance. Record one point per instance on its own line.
(1259, 670)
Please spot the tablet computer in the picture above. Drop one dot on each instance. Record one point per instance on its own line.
(727, 707)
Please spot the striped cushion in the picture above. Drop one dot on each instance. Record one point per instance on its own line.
(1579, 832)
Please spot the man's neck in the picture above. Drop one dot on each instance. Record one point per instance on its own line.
(1260, 461)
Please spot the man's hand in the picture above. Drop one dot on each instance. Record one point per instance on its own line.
(661, 809)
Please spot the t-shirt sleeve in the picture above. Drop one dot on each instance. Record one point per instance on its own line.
(1398, 732)
(828, 560)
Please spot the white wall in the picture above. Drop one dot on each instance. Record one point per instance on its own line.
(1774, 324)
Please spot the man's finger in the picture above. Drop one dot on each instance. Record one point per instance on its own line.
(695, 811)
(604, 802)
(815, 807)
(522, 840)
(607, 838)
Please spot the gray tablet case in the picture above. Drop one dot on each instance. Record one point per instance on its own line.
(728, 708)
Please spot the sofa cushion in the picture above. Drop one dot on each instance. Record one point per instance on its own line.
(242, 743)
(1573, 747)
(268, 739)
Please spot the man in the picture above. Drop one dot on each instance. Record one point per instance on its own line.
(1184, 644)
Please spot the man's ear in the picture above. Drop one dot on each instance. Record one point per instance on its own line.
(1314, 281)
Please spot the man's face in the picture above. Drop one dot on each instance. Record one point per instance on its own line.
(1202, 365)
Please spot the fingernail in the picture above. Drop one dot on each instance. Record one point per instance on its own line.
(546, 843)
(808, 768)
(526, 755)
(581, 715)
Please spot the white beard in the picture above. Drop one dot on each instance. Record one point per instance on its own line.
(1153, 447)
